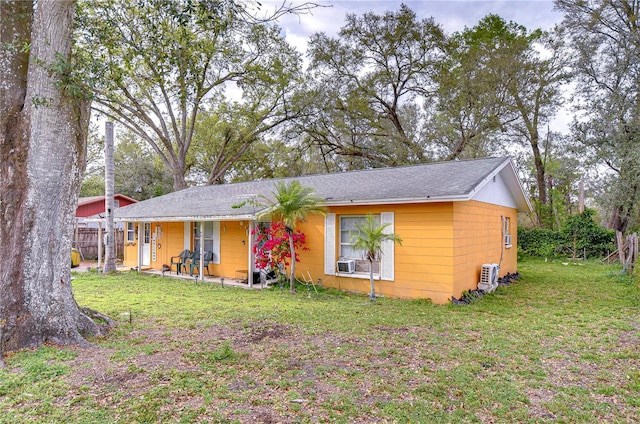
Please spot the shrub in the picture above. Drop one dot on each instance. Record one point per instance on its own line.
(583, 237)
(540, 242)
(580, 236)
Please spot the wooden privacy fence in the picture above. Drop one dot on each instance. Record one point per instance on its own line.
(86, 240)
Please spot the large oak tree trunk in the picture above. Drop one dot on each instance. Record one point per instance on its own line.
(14, 23)
(42, 157)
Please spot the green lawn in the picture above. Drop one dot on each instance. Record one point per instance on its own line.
(562, 344)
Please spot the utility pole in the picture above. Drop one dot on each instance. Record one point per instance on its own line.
(109, 255)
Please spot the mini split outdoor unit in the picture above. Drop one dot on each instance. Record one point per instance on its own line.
(347, 266)
(489, 277)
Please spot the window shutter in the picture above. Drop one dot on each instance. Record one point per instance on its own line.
(388, 248)
(330, 244)
(216, 242)
(187, 235)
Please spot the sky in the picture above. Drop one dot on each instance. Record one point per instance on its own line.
(452, 15)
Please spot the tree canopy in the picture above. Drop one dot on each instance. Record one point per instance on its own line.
(374, 84)
(156, 65)
(606, 40)
(219, 95)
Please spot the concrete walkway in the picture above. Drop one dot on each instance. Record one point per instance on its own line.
(86, 266)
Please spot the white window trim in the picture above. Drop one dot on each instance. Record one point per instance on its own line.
(356, 274)
(359, 275)
(387, 271)
(131, 232)
(507, 232)
(387, 260)
(216, 240)
(187, 235)
(330, 244)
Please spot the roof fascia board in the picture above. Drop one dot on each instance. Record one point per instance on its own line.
(521, 187)
(327, 204)
(187, 218)
(366, 202)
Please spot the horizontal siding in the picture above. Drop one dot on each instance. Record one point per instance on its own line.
(130, 255)
(423, 263)
(444, 246)
(423, 253)
(234, 249)
(312, 260)
(438, 293)
(171, 243)
(478, 240)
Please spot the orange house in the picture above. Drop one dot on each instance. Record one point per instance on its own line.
(455, 219)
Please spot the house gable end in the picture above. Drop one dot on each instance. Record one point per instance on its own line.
(502, 187)
(495, 192)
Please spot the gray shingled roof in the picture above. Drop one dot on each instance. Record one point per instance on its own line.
(455, 180)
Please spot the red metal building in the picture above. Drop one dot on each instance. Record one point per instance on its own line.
(89, 206)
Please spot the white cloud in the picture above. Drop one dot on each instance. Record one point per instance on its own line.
(452, 15)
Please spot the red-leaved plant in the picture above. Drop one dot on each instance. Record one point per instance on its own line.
(271, 247)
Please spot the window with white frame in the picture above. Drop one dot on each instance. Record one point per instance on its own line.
(349, 228)
(208, 236)
(147, 233)
(337, 245)
(131, 232)
(507, 231)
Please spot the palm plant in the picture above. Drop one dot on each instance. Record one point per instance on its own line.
(369, 238)
(292, 203)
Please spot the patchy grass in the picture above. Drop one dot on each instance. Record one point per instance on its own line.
(559, 345)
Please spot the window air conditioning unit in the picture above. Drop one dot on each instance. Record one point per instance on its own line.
(507, 239)
(347, 266)
(489, 277)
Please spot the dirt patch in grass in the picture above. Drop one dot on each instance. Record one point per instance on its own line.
(273, 373)
(278, 374)
(543, 350)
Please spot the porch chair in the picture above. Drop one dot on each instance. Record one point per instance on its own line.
(206, 259)
(194, 257)
(179, 260)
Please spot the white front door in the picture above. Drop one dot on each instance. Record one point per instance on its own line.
(146, 244)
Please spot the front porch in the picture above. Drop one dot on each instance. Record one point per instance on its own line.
(239, 281)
